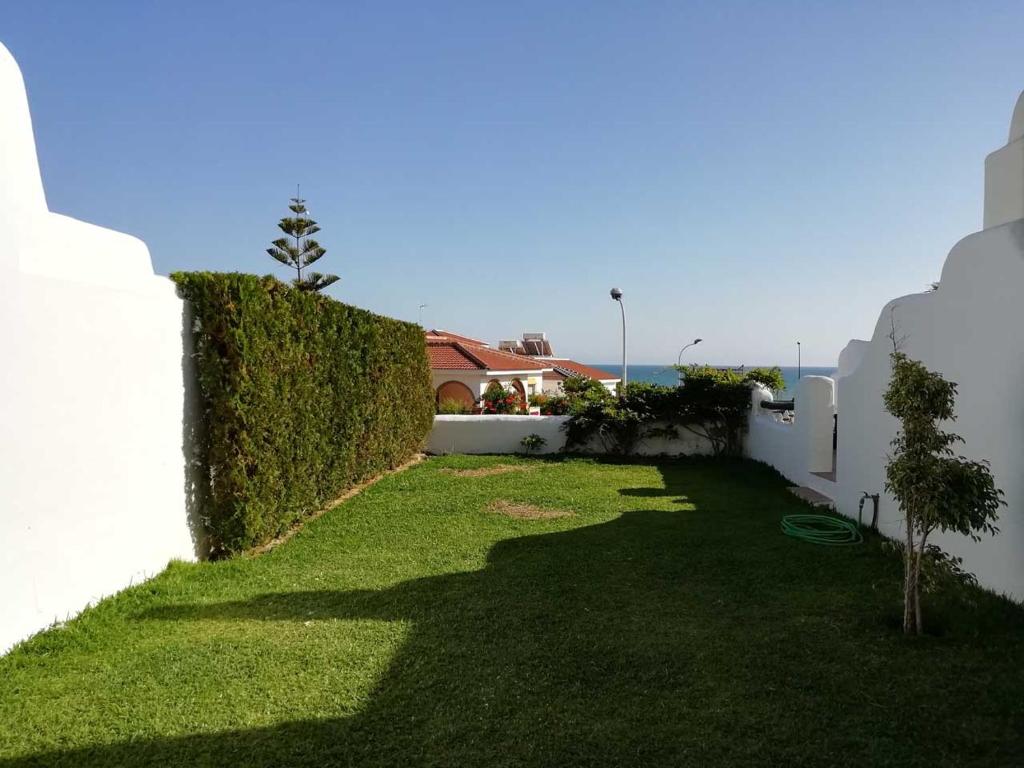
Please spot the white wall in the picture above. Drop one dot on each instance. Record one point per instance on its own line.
(493, 434)
(502, 434)
(91, 400)
(969, 330)
(803, 446)
(477, 380)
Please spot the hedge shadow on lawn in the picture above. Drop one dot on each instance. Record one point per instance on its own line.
(644, 640)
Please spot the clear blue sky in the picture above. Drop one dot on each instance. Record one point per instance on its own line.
(752, 173)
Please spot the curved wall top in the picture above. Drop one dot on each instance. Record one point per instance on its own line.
(1017, 122)
(1004, 175)
(21, 185)
(37, 241)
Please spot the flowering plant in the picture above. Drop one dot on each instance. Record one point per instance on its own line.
(550, 405)
(499, 399)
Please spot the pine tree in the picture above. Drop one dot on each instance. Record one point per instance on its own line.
(303, 250)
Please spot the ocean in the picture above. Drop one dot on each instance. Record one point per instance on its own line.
(661, 374)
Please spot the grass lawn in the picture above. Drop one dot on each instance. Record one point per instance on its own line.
(665, 621)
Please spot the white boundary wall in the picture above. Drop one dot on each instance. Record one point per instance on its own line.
(493, 433)
(969, 330)
(92, 474)
(502, 434)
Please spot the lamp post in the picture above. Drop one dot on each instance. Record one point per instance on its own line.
(679, 360)
(616, 295)
(798, 368)
(421, 312)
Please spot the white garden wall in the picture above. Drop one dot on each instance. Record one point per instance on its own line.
(969, 330)
(502, 434)
(493, 434)
(91, 400)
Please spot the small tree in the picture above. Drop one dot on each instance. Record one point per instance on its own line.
(303, 251)
(936, 489)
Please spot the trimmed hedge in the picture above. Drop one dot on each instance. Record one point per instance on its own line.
(301, 397)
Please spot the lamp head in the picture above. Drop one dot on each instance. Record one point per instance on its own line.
(697, 341)
(616, 294)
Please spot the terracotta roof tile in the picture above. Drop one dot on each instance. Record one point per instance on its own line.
(439, 334)
(448, 357)
(446, 353)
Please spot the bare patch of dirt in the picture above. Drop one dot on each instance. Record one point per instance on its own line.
(526, 511)
(497, 469)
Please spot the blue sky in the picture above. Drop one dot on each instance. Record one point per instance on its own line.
(751, 173)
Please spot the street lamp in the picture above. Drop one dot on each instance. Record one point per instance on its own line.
(679, 360)
(616, 295)
(421, 312)
(798, 362)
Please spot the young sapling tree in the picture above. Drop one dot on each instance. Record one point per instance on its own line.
(936, 489)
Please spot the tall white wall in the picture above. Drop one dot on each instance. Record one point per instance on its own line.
(969, 330)
(92, 474)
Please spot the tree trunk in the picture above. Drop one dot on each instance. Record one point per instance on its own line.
(909, 586)
(917, 583)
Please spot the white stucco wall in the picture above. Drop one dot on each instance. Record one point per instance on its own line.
(477, 381)
(502, 434)
(969, 331)
(91, 400)
(493, 433)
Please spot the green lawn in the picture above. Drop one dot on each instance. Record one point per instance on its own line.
(665, 622)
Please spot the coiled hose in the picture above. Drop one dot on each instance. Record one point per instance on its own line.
(821, 529)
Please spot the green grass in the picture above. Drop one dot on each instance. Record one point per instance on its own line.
(667, 622)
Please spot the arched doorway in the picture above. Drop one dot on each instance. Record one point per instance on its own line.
(517, 385)
(455, 392)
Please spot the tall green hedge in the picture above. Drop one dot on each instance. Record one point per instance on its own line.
(300, 396)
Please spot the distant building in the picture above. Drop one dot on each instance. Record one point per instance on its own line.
(537, 346)
(463, 367)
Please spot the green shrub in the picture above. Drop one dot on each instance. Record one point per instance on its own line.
(301, 397)
(501, 399)
(533, 442)
(451, 406)
(768, 377)
(550, 405)
(710, 403)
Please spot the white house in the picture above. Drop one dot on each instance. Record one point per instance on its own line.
(463, 367)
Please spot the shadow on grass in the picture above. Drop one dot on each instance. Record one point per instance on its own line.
(613, 644)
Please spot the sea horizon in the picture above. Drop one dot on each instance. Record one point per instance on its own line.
(666, 374)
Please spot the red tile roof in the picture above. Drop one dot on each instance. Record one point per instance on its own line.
(449, 357)
(449, 353)
(567, 368)
(439, 334)
(495, 360)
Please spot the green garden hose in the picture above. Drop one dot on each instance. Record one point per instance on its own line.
(821, 529)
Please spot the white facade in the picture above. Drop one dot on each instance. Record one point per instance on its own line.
(477, 381)
(91, 400)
